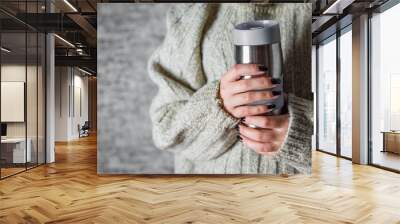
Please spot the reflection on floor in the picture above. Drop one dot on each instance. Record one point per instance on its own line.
(387, 159)
(70, 191)
(8, 170)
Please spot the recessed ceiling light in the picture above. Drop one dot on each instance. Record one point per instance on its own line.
(84, 71)
(70, 5)
(65, 41)
(5, 50)
(337, 7)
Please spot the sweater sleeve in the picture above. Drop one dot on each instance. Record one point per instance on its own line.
(186, 114)
(296, 149)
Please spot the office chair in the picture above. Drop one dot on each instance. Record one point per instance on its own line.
(84, 130)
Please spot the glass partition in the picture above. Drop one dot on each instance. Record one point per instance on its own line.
(22, 101)
(385, 89)
(13, 109)
(31, 99)
(346, 92)
(327, 95)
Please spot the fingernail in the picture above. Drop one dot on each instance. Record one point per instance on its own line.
(276, 93)
(271, 106)
(275, 81)
(252, 126)
(246, 77)
(262, 68)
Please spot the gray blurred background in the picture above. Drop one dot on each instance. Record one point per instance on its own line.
(124, 128)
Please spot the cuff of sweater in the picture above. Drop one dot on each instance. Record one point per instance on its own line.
(219, 122)
(296, 149)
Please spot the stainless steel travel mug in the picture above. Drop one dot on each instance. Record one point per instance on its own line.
(258, 42)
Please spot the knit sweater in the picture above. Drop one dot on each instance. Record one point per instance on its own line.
(187, 118)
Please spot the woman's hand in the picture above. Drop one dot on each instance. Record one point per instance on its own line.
(236, 92)
(269, 134)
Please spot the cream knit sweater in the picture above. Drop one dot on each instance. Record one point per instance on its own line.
(196, 52)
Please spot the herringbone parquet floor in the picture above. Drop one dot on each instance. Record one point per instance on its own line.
(70, 191)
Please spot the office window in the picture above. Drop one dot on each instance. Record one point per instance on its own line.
(385, 88)
(15, 151)
(22, 101)
(327, 95)
(346, 92)
(314, 90)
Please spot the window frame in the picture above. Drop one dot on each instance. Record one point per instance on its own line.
(333, 37)
(381, 9)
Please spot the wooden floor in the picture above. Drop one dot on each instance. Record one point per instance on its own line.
(70, 191)
(5, 172)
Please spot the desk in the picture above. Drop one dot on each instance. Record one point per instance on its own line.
(13, 150)
(391, 141)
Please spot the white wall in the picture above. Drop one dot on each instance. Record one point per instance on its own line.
(79, 117)
(69, 82)
(62, 81)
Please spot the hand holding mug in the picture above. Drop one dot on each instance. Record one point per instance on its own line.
(237, 93)
(269, 134)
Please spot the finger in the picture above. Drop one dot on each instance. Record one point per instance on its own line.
(244, 111)
(245, 85)
(238, 70)
(249, 97)
(259, 135)
(270, 122)
(259, 147)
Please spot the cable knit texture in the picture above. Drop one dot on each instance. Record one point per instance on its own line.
(186, 114)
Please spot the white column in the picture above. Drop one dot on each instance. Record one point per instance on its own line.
(50, 105)
(360, 90)
(50, 92)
